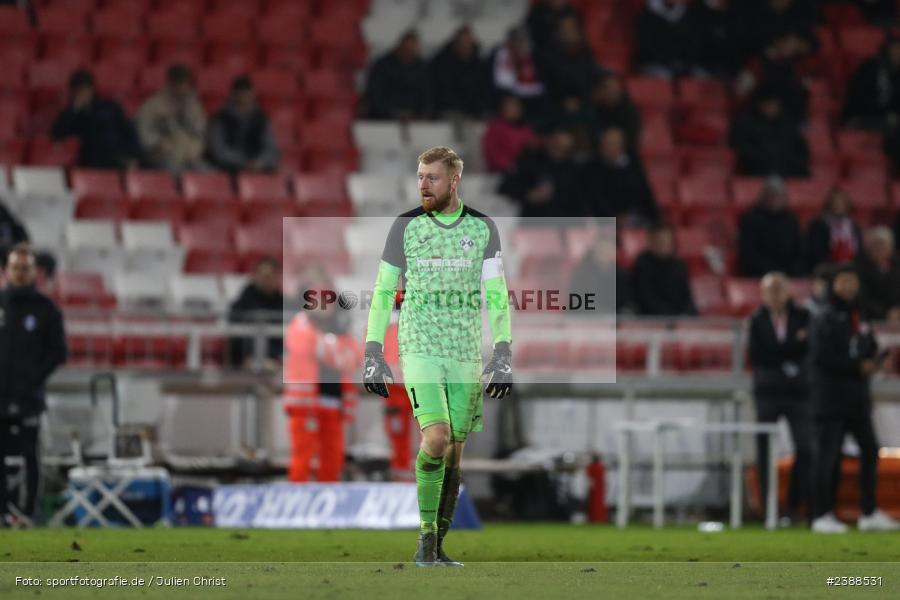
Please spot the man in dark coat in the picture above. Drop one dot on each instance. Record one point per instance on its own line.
(240, 136)
(778, 338)
(769, 235)
(459, 77)
(107, 138)
(669, 38)
(845, 356)
(873, 93)
(613, 108)
(544, 181)
(615, 184)
(32, 346)
(767, 140)
(260, 301)
(659, 279)
(397, 85)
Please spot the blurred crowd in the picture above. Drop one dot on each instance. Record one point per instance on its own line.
(171, 129)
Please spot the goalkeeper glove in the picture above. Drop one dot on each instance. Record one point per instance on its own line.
(376, 373)
(497, 375)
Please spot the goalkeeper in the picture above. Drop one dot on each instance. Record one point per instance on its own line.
(445, 251)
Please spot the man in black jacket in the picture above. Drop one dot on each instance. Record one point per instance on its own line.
(240, 135)
(108, 139)
(32, 346)
(397, 86)
(659, 279)
(769, 235)
(844, 357)
(260, 300)
(778, 337)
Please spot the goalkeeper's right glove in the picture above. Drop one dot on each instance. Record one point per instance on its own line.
(376, 373)
(497, 375)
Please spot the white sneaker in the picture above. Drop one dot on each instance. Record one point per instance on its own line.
(878, 521)
(828, 523)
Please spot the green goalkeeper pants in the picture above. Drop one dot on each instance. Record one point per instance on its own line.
(442, 390)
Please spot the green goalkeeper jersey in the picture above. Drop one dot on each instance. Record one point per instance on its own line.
(443, 259)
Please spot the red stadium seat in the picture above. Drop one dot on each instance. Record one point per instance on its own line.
(283, 124)
(12, 78)
(745, 191)
(289, 58)
(173, 211)
(260, 187)
(225, 27)
(118, 23)
(708, 94)
(207, 186)
(233, 60)
(867, 194)
(288, 9)
(130, 53)
(45, 151)
(743, 295)
(83, 289)
(861, 41)
(255, 241)
(50, 75)
(171, 26)
(214, 214)
(716, 162)
(807, 195)
(13, 151)
(703, 126)
(168, 52)
(61, 21)
(97, 183)
(324, 135)
(74, 50)
(155, 185)
(852, 141)
(281, 30)
(275, 83)
(216, 262)
(312, 187)
(206, 236)
(213, 81)
(248, 7)
(537, 241)
(656, 138)
(186, 8)
(107, 208)
(650, 91)
(13, 21)
(703, 192)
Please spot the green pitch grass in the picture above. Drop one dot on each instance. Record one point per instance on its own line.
(502, 561)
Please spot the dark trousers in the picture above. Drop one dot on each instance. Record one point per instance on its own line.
(830, 432)
(798, 412)
(20, 438)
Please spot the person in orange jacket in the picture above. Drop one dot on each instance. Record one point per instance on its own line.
(319, 394)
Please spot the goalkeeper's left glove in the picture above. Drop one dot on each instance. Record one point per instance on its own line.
(497, 375)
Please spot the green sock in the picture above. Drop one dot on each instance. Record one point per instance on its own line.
(429, 480)
(449, 495)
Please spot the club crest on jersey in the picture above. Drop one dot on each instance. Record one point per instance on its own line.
(466, 243)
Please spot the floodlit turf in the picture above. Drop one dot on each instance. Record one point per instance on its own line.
(502, 561)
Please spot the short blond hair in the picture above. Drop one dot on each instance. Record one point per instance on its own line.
(445, 155)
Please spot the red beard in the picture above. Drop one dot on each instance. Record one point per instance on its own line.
(434, 204)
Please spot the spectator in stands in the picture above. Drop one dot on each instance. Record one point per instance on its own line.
(659, 279)
(599, 274)
(844, 357)
(261, 300)
(615, 184)
(32, 346)
(781, 70)
(515, 71)
(172, 124)
(544, 180)
(107, 137)
(777, 349)
(879, 276)
(766, 20)
(833, 236)
(567, 65)
(669, 39)
(459, 76)
(873, 93)
(543, 20)
(506, 136)
(769, 235)
(879, 12)
(240, 136)
(397, 85)
(818, 293)
(612, 107)
(718, 24)
(768, 141)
